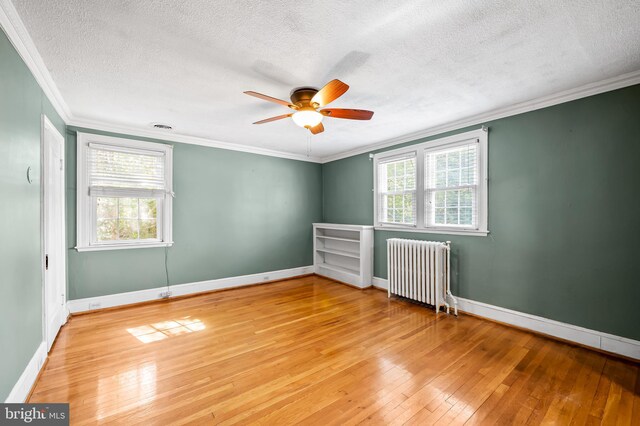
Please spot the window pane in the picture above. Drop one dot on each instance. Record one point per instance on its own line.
(465, 216)
(107, 208)
(467, 176)
(126, 218)
(410, 167)
(391, 184)
(107, 230)
(451, 167)
(397, 184)
(452, 216)
(148, 229)
(391, 169)
(410, 181)
(128, 229)
(453, 160)
(466, 197)
(453, 178)
(148, 208)
(454, 168)
(452, 198)
(467, 157)
(128, 208)
(408, 208)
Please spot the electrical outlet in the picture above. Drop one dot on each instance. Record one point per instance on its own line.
(165, 294)
(95, 305)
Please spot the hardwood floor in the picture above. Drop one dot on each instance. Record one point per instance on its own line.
(312, 351)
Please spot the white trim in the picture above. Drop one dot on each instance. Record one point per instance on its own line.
(191, 140)
(64, 313)
(344, 226)
(120, 299)
(590, 89)
(19, 37)
(595, 339)
(443, 231)
(85, 222)
(380, 283)
(22, 42)
(479, 136)
(573, 333)
(27, 379)
(124, 246)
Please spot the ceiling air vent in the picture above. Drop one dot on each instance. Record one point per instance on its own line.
(162, 126)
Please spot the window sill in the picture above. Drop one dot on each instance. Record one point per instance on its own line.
(471, 233)
(123, 246)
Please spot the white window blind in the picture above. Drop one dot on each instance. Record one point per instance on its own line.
(124, 193)
(397, 189)
(123, 172)
(451, 186)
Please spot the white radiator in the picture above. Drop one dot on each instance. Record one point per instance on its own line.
(420, 270)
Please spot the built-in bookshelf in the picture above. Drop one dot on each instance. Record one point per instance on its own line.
(344, 252)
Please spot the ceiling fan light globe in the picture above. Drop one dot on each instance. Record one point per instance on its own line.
(307, 118)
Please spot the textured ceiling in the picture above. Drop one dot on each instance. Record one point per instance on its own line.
(417, 64)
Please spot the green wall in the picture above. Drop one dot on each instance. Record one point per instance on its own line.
(234, 214)
(564, 215)
(21, 104)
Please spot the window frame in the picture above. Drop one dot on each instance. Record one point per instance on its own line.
(86, 221)
(412, 154)
(481, 135)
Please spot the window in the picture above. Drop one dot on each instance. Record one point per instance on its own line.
(397, 196)
(124, 193)
(450, 197)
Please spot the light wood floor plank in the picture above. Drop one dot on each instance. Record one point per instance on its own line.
(311, 351)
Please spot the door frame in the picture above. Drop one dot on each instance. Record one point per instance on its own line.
(46, 124)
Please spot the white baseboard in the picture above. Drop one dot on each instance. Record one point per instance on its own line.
(573, 333)
(380, 283)
(120, 299)
(21, 389)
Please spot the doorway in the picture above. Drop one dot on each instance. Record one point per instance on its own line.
(53, 213)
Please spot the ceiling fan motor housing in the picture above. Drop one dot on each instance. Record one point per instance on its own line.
(301, 96)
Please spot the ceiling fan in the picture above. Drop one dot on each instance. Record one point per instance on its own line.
(305, 101)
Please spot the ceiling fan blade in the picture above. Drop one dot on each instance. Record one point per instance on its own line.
(318, 128)
(267, 120)
(350, 114)
(329, 93)
(268, 98)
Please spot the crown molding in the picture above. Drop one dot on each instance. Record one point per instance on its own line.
(89, 125)
(584, 91)
(19, 37)
(22, 42)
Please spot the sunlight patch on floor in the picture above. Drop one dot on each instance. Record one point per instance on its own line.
(164, 329)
